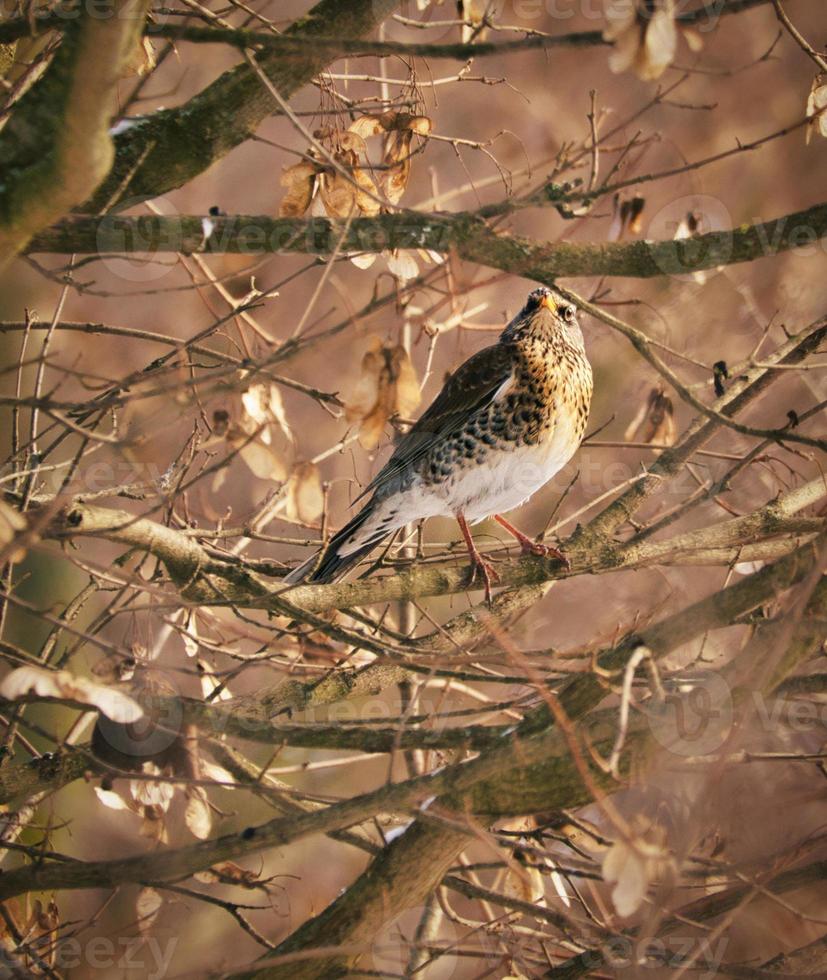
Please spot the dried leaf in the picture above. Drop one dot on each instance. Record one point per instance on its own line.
(366, 194)
(116, 705)
(624, 51)
(365, 394)
(153, 825)
(525, 883)
(299, 181)
(363, 261)
(210, 683)
(387, 386)
(693, 39)
(111, 799)
(228, 873)
(352, 142)
(397, 158)
(338, 195)
(631, 865)
(141, 60)
(367, 126)
(407, 394)
(147, 905)
(654, 422)
(625, 867)
(402, 264)
(660, 44)
(262, 461)
(197, 815)
(12, 523)
(817, 100)
(149, 793)
(644, 36)
(264, 406)
(189, 635)
(305, 497)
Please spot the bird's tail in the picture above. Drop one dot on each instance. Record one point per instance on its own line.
(344, 550)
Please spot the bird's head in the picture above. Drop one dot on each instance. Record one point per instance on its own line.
(546, 316)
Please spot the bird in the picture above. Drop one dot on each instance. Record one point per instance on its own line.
(508, 419)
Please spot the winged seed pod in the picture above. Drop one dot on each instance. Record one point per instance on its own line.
(12, 523)
(387, 386)
(817, 108)
(116, 705)
(300, 180)
(645, 36)
(305, 496)
(654, 422)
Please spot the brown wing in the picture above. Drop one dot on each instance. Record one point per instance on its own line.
(472, 386)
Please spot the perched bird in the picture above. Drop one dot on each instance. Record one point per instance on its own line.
(504, 423)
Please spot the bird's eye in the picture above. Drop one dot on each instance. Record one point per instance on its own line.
(568, 314)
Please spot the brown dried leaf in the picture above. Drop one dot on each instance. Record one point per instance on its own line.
(406, 383)
(397, 158)
(631, 865)
(197, 815)
(111, 799)
(116, 705)
(147, 905)
(387, 386)
(366, 194)
(816, 101)
(659, 46)
(352, 142)
(654, 422)
(367, 126)
(262, 461)
(228, 873)
(299, 181)
(338, 195)
(366, 392)
(420, 124)
(154, 825)
(402, 264)
(305, 496)
(12, 523)
(263, 406)
(149, 793)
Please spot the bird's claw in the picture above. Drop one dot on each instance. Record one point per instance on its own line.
(487, 572)
(546, 551)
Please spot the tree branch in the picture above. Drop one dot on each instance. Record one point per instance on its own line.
(56, 149)
(472, 238)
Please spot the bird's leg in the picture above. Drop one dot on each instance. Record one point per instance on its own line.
(478, 563)
(530, 547)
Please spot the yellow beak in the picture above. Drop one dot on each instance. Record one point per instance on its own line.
(548, 302)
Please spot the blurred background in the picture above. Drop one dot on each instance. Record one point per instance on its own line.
(498, 127)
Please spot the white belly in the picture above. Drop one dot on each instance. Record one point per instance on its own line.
(504, 481)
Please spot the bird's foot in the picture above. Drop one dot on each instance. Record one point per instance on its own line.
(545, 551)
(530, 547)
(483, 568)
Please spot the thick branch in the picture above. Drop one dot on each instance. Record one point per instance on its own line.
(56, 148)
(463, 231)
